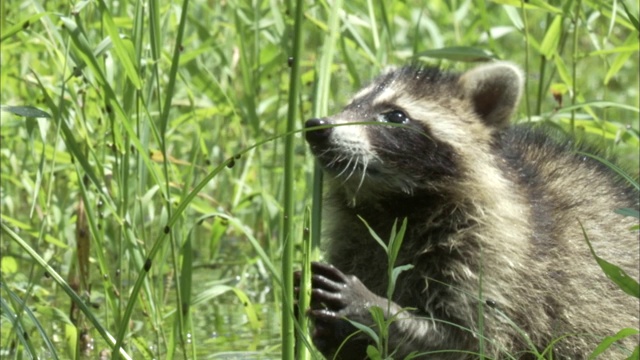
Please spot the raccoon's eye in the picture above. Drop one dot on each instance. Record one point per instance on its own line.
(396, 117)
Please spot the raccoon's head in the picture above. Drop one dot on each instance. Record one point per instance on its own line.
(415, 128)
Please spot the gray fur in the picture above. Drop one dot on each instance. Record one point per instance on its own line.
(486, 204)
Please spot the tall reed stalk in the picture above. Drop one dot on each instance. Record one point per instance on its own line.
(288, 319)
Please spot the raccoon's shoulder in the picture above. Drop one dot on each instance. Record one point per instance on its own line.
(538, 154)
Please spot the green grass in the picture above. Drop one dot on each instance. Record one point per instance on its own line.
(152, 193)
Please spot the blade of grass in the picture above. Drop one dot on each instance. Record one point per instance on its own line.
(18, 327)
(304, 293)
(574, 64)
(66, 288)
(610, 340)
(625, 282)
(122, 48)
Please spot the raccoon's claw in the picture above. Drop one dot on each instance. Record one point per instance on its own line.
(323, 315)
(321, 299)
(320, 281)
(328, 271)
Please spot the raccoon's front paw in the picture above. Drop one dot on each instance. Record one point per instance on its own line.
(334, 297)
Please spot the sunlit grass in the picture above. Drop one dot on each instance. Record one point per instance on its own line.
(154, 108)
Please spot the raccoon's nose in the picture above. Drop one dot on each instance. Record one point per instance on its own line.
(317, 134)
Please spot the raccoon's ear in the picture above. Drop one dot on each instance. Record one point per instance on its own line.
(493, 91)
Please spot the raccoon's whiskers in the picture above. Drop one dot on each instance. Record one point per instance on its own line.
(353, 168)
(324, 154)
(365, 163)
(350, 172)
(346, 167)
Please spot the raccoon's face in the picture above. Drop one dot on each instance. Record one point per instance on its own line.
(379, 147)
(411, 129)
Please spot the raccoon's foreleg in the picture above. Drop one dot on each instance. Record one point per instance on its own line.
(336, 297)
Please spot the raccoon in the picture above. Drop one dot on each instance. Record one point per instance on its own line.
(495, 216)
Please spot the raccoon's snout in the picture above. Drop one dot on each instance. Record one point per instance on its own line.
(317, 134)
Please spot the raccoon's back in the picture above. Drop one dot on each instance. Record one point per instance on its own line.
(570, 195)
(567, 189)
(562, 177)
